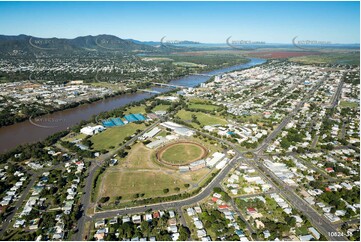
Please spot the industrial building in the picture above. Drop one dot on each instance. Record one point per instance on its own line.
(178, 129)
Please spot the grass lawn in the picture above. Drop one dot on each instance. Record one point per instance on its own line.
(114, 136)
(186, 64)
(198, 100)
(137, 173)
(345, 104)
(136, 109)
(302, 230)
(162, 133)
(116, 87)
(330, 58)
(207, 107)
(74, 136)
(129, 183)
(182, 153)
(203, 118)
(161, 107)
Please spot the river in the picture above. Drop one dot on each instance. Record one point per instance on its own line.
(26, 132)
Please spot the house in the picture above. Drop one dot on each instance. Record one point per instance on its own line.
(136, 219)
(33, 224)
(198, 224)
(306, 237)
(346, 185)
(175, 236)
(266, 234)
(19, 223)
(314, 232)
(251, 210)
(113, 220)
(206, 238)
(201, 233)
(172, 221)
(99, 224)
(172, 229)
(190, 211)
(198, 209)
(171, 214)
(125, 219)
(156, 215)
(329, 169)
(58, 236)
(99, 236)
(340, 212)
(148, 217)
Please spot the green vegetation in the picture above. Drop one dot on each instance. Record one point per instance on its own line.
(135, 109)
(113, 137)
(352, 58)
(160, 107)
(182, 153)
(203, 118)
(345, 104)
(136, 184)
(139, 179)
(216, 225)
(155, 228)
(207, 107)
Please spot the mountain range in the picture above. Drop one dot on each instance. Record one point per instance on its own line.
(32, 46)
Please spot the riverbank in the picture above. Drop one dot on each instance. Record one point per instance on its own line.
(26, 132)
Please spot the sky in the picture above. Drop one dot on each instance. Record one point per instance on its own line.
(207, 22)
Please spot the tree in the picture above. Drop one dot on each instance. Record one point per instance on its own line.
(166, 190)
(104, 199)
(184, 233)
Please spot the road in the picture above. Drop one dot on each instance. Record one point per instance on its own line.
(86, 198)
(204, 193)
(318, 221)
(24, 194)
(337, 96)
(18, 204)
(287, 119)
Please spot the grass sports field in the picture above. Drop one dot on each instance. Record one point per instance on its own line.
(136, 109)
(161, 107)
(138, 173)
(114, 136)
(203, 118)
(207, 107)
(181, 153)
(346, 104)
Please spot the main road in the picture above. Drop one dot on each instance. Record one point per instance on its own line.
(318, 221)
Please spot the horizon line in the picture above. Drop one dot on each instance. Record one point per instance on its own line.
(196, 42)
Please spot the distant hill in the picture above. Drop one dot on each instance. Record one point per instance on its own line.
(33, 46)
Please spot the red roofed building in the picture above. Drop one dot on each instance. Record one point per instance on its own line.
(327, 189)
(156, 215)
(223, 206)
(329, 169)
(214, 199)
(251, 210)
